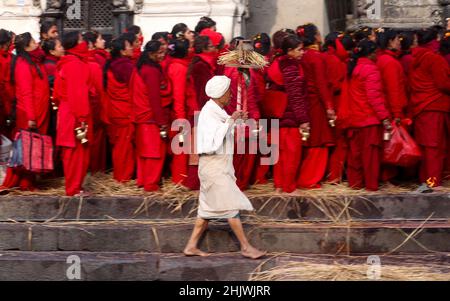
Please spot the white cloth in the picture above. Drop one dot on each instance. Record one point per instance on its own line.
(217, 86)
(215, 133)
(220, 197)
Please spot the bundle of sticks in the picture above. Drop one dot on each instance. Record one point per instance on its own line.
(243, 57)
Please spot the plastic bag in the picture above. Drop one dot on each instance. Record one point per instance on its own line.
(401, 150)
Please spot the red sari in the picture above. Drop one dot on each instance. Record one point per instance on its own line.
(315, 158)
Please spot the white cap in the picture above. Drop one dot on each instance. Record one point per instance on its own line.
(217, 86)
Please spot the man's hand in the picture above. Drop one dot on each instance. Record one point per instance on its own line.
(236, 115)
(32, 124)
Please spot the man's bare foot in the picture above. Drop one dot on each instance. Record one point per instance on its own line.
(195, 252)
(252, 253)
(278, 191)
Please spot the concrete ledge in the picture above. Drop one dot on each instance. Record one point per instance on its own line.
(401, 206)
(305, 238)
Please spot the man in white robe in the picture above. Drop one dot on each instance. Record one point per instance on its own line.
(220, 197)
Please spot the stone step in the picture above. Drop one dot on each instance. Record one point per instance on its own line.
(369, 207)
(107, 266)
(171, 237)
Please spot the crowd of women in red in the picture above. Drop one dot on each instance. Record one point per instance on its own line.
(335, 99)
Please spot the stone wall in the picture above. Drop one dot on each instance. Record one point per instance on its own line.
(272, 15)
(161, 15)
(21, 18)
(402, 14)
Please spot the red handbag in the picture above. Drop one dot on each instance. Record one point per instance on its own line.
(37, 151)
(274, 104)
(401, 150)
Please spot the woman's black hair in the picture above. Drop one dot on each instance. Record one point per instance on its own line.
(91, 37)
(161, 35)
(290, 42)
(262, 43)
(235, 42)
(330, 40)
(134, 29)
(407, 40)
(179, 48)
(21, 42)
(201, 44)
(151, 47)
(45, 27)
(362, 33)
(205, 22)
(384, 36)
(308, 33)
(70, 39)
(444, 49)
(425, 36)
(5, 37)
(348, 42)
(279, 36)
(49, 45)
(117, 45)
(364, 49)
(130, 37)
(179, 30)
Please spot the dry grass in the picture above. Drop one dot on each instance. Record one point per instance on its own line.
(104, 185)
(312, 271)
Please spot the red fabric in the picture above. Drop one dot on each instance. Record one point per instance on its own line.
(429, 81)
(319, 97)
(313, 167)
(406, 61)
(147, 101)
(179, 168)
(151, 153)
(260, 172)
(22, 179)
(362, 103)
(336, 71)
(243, 166)
(252, 99)
(6, 89)
(100, 56)
(123, 151)
(338, 158)
(96, 100)
(117, 96)
(75, 163)
(290, 152)
(364, 158)
(430, 132)
(50, 63)
(214, 36)
(184, 95)
(203, 69)
(447, 58)
(32, 93)
(37, 151)
(72, 84)
(136, 55)
(394, 82)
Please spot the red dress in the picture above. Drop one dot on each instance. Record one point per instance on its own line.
(120, 126)
(184, 170)
(320, 98)
(150, 111)
(32, 96)
(6, 91)
(366, 109)
(72, 84)
(286, 74)
(337, 72)
(430, 104)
